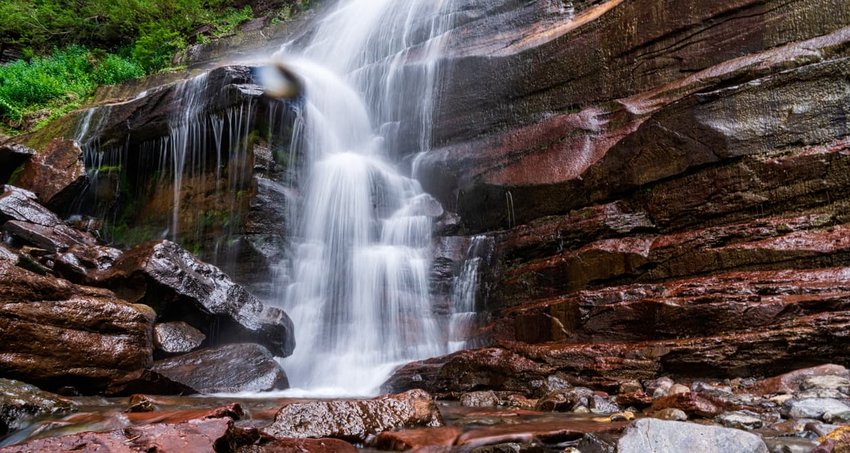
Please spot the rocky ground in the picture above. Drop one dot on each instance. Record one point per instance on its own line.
(806, 410)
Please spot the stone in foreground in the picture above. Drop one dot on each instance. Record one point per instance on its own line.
(232, 368)
(355, 420)
(20, 402)
(658, 436)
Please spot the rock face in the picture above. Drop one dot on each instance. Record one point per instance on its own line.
(180, 287)
(225, 369)
(356, 420)
(20, 402)
(666, 198)
(660, 436)
(57, 334)
(56, 174)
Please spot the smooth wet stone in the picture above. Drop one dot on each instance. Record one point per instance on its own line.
(740, 420)
(813, 407)
(479, 399)
(601, 405)
(20, 402)
(356, 420)
(658, 436)
(243, 367)
(180, 287)
(408, 439)
(177, 337)
(670, 413)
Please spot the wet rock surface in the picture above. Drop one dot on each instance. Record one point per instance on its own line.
(177, 337)
(20, 402)
(59, 334)
(180, 287)
(56, 174)
(356, 420)
(225, 369)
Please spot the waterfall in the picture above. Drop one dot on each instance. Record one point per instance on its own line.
(359, 291)
(465, 316)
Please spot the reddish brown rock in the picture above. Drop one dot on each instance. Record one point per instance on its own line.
(690, 403)
(56, 174)
(523, 367)
(57, 334)
(409, 439)
(545, 432)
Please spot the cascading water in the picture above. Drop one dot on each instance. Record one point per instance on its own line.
(359, 292)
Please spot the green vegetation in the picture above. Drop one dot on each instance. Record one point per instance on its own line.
(64, 78)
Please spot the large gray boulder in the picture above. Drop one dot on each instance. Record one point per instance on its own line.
(659, 436)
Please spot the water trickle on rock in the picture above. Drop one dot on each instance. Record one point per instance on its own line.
(359, 293)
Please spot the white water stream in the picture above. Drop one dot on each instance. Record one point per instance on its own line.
(359, 293)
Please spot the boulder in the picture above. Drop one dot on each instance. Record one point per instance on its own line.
(661, 436)
(176, 337)
(182, 288)
(12, 156)
(479, 399)
(57, 334)
(20, 402)
(82, 263)
(225, 369)
(56, 174)
(794, 381)
(356, 420)
(24, 218)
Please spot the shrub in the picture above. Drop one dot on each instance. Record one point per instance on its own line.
(156, 47)
(114, 69)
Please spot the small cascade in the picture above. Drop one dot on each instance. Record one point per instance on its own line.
(465, 315)
(359, 292)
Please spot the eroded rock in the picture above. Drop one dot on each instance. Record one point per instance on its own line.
(57, 334)
(356, 420)
(12, 156)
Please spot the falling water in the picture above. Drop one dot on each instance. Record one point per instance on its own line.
(465, 315)
(359, 294)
